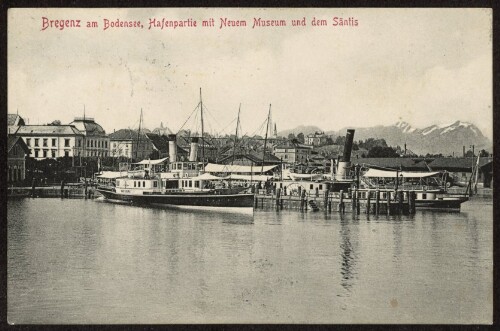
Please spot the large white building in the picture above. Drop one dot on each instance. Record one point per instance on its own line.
(51, 141)
(96, 142)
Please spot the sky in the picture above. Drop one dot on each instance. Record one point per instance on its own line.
(422, 66)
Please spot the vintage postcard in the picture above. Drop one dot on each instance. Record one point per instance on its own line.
(250, 165)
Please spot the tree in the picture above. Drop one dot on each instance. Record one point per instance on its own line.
(340, 140)
(379, 151)
(301, 138)
(291, 136)
(56, 122)
(484, 153)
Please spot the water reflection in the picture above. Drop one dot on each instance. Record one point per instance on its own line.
(348, 245)
(76, 261)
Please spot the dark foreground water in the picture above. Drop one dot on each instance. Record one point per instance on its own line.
(85, 261)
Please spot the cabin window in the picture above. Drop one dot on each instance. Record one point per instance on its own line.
(196, 184)
(424, 196)
(28, 142)
(155, 184)
(311, 186)
(45, 140)
(135, 183)
(190, 183)
(320, 186)
(66, 142)
(36, 142)
(143, 184)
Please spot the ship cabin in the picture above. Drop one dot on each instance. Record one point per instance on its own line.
(312, 188)
(156, 176)
(404, 180)
(180, 175)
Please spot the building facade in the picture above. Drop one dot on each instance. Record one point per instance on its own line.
(316, 139)
(130, 144)
(51, 141)
(96, 143)
(292, 152)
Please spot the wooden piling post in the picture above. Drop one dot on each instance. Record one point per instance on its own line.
(358, 205)
(377, 202)
(400, 201)
(341, 201)
(411, 202)
(368, 202)
(325, 201)
(278, 194)
(353, 200)
(388, 202)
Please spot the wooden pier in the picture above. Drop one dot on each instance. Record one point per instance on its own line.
(374, 202)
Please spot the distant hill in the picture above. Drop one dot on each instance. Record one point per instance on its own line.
(447, 139)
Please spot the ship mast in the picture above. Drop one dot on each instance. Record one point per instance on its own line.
(138, 136)
(265, 139)
(236, 135)
(202, 133)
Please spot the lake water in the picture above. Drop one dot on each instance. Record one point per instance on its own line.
(88, 261)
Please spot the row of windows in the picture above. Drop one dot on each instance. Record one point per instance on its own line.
(45, 142)
(45, 153)
(137, 183)
(97, 143)
(53, 153)
(189, 183)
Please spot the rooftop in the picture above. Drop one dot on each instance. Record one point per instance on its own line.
(88, 126)
(14, 119)
(49, 130)
(127, 134)
(13, 140)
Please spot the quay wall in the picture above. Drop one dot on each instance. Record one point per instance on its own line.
(54, 192)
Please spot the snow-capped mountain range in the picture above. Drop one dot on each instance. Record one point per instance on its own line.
(447, 139)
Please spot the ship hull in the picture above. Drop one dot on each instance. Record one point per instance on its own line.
(184, 199)
(445, 203)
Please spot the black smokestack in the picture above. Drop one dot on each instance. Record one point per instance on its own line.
(348, 145)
